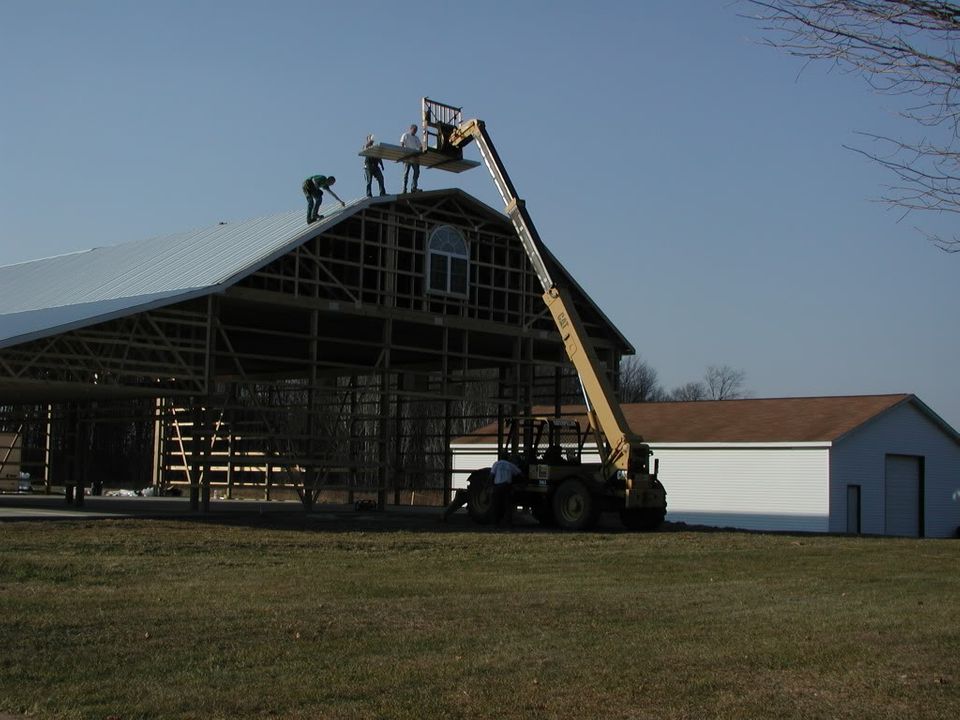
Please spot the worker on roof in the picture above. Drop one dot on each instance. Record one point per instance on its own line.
(410, 141)
(372, 168)
(313, 188)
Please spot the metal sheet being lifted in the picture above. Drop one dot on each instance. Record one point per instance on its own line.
(426, 158)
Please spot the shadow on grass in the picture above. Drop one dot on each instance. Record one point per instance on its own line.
(290, 516)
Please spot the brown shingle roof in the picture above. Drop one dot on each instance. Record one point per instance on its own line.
(756, 420)
(803, 419)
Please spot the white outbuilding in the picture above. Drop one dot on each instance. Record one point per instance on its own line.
(870, 464)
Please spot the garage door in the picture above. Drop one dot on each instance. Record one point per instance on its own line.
(903, 491)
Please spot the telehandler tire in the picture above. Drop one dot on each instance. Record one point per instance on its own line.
(480, 496)
(574, 506)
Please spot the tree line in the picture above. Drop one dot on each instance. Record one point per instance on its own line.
(639, 382)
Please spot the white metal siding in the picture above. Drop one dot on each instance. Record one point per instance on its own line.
(860, 459)
(751, 488)
(470, 457)
(754, 488)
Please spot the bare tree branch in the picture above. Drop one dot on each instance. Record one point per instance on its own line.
(691, 391)
(899, 47)
(724, 382)
(638, 381)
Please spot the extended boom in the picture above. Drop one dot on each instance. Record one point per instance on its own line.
(624, 456)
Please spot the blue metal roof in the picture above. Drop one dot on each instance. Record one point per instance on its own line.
(45, 297)
(52, 295)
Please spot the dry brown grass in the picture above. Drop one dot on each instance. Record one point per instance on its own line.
(167, 619)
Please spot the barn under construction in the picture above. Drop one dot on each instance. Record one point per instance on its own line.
(277, 359)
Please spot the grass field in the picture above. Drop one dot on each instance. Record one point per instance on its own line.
(172, 619)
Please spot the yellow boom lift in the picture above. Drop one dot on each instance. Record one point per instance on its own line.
(557, 487)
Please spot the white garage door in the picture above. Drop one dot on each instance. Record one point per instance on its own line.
(902, 495)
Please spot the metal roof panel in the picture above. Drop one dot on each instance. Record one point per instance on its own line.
(428, 158)
(44, 296)
(55, 294)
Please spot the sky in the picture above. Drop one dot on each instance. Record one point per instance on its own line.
(693, 181)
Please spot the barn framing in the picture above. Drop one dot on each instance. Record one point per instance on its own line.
(276, 357)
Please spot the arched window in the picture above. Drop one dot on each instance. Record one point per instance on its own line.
(448, 261)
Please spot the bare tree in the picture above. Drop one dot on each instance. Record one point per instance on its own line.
(900, 47)
(638, 381)
(691, 391)
(719, 383)
(724, 382)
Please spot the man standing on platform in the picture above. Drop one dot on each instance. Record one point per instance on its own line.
(372, 168)
(410, 141)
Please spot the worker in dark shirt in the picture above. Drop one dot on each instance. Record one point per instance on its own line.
(372, 168)
(313, 188)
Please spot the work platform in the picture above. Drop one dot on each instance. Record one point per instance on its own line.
(427, 158)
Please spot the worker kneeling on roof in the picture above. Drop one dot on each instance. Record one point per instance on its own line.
(313, 188)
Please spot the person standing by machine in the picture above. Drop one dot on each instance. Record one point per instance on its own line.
(410, 141)
(502, 473)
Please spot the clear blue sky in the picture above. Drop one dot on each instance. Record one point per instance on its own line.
(693, 181)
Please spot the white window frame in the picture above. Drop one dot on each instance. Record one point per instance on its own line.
(442, 233)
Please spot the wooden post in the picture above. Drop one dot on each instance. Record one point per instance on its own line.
(207, 448)
(309, 474)
(232, 400)
(447, 454)
(157, 446)
(70, 453)
(196, 453)
(80, 467)
(383, 435)
(355, 445)
(447, 405)
(397, 475)
(47, 457)
(207, 416)
(230, 464)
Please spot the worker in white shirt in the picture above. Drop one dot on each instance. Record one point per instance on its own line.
(410, 141)
(502, 473)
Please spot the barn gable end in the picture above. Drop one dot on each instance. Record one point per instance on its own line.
(284, 356)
